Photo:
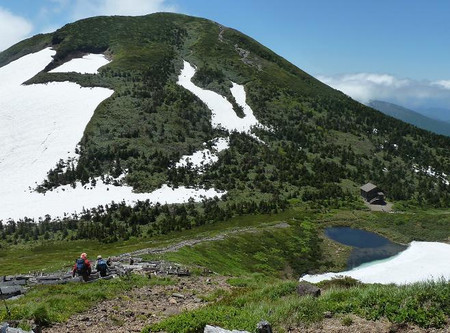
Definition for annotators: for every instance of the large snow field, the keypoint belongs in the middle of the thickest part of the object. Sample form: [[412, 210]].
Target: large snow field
[[41, 124], [222, 111], [421, 261], [89, 64]]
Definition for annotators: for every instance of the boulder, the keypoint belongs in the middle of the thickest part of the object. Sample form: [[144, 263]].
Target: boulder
[[263, 327], [308, 289], [214, 329], [5, 328], [10, 291]]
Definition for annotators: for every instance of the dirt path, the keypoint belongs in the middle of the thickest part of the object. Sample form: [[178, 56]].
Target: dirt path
[[380, 208], [191, 242], [132, 311]]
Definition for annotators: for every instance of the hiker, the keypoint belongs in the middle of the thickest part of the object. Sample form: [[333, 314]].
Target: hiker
[[102, 266], [82, 267]]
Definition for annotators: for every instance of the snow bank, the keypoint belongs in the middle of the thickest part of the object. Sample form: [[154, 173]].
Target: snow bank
[[223, 114], [204, 157], [71, 200], [89, 64], [41, 124], [422, 261]]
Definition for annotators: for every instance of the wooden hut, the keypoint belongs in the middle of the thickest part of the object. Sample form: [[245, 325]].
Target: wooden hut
[[372, 194]]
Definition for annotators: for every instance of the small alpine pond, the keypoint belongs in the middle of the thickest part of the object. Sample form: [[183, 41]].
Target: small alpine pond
[[367, 246]]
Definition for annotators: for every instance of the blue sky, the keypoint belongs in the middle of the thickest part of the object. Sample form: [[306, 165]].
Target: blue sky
[[390, 49]]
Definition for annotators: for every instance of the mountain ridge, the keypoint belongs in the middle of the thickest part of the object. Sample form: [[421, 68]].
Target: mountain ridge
[[411, 117]]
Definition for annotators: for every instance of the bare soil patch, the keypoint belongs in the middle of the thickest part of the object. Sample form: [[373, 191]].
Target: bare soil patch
[[132, 311]]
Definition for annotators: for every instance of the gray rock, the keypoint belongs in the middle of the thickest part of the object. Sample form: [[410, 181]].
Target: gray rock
[[13, 283], [4, 328], [308, 289], [214, 329], [328, 314], [263, 327], [10, 291]]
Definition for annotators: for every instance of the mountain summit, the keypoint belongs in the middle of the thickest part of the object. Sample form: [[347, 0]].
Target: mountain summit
[[172, 107]]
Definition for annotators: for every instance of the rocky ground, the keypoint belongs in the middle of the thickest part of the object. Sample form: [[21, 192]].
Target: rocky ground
[[132, 311], [354, 324]]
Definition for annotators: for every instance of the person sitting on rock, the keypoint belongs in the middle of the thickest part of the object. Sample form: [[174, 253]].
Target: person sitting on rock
[[102, 266], [82, 267]]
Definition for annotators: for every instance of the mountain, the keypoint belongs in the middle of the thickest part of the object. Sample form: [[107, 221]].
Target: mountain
[[249, 127], [412, 117], [187, 145], [436, 113]]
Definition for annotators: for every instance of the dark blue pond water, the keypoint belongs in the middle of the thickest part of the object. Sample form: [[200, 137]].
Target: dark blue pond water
[[367, 246]]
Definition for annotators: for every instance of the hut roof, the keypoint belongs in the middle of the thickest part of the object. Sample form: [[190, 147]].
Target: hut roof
[[368, 187]]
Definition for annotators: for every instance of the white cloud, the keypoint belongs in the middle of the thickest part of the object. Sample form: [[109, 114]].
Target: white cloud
[[365, 87], [443, 83], [12, 28], [88, 8]]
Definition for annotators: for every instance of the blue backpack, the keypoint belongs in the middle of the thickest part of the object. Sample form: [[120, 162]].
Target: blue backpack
[[101, 264], [81, 266]]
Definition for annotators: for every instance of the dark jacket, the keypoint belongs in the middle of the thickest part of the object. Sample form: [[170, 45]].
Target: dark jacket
[[87, 270]]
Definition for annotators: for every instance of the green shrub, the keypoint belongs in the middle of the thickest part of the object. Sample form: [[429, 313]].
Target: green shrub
[[41, 316]]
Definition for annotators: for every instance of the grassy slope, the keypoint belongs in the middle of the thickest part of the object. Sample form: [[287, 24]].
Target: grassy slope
[[403, 228], [51, 304], [263, 256], [278, 303]]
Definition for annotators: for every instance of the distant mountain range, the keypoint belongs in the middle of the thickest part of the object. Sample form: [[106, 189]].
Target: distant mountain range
[[412, 117], [436, 113]]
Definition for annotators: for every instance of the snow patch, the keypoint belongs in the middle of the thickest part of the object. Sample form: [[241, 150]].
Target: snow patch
[[202, 158], [422, 261], [432, 173], [89, 64], [223, 115]]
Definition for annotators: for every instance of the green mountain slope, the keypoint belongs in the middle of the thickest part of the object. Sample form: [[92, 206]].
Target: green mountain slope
[[411, 117], [322, 146]]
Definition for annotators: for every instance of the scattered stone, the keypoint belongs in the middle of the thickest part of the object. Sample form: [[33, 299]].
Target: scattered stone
[[172, 301], [178, 295], [328, 314], [308, 289], [263, 327]]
